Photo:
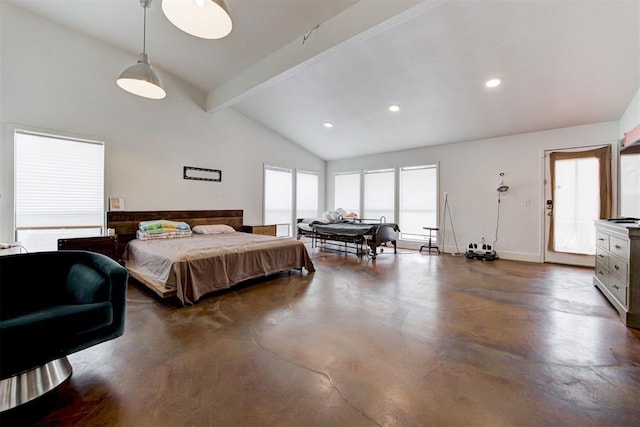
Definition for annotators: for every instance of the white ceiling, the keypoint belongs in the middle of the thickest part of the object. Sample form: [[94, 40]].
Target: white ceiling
[[562, 62]]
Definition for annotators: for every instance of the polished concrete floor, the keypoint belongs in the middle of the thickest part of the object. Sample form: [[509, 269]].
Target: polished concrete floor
[[408, 340]]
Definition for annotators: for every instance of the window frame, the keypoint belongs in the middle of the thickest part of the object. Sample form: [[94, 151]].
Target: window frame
[[404, 236], [63, 230]]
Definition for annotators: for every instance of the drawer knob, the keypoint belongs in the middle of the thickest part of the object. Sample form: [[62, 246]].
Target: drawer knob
[[601, 256], [601, 239], [616, 286], [618, 247], [616, 267]]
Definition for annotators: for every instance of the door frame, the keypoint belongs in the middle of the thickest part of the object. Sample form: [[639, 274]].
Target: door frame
[[574, 259]]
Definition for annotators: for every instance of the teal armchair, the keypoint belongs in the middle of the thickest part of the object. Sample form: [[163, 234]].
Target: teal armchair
[[53, 304]]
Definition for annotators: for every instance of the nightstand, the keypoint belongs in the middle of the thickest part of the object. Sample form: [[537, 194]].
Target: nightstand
[[267, 230], [106, 245]]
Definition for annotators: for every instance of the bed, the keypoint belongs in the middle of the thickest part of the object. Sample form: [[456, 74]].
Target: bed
[[360, 236], [191, 267]]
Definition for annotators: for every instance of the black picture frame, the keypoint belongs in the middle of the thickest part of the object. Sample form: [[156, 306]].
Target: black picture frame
[[202, 174]]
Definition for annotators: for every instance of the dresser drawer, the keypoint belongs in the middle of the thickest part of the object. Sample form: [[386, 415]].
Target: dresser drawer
[[602, 240], [618, 268], [602, 257], [602, 273], [619, 247], [618, 289]]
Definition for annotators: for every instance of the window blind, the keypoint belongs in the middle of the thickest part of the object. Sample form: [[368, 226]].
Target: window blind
[[347, 192], [306, 194], [418, 199], [58, 182], [277, 195], [379, 194]]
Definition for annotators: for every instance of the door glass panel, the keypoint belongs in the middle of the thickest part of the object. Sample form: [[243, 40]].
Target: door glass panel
[[577, 204]]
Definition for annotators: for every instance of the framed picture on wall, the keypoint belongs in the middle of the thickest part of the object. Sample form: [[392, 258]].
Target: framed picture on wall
[[116, 203]]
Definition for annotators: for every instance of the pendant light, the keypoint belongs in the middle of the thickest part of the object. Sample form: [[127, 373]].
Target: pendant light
[[140, 79], [207, 19]]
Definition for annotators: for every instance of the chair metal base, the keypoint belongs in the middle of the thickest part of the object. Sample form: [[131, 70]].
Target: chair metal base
[[29, 385]]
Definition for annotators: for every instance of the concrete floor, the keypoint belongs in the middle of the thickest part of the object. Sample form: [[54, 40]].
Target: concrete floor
[[408, 340]]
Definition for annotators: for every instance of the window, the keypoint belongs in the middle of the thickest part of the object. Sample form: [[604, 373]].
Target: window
[[576, 202], [630, 185], [306, 195], [278, 201], [418, 201], [379, 194], [347, 192], [579, 185], [59, 189]]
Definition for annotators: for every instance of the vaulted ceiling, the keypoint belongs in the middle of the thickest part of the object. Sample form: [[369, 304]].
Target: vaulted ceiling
[[293, 65]]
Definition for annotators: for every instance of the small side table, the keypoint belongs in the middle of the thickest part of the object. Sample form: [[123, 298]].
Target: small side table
[[106, 245], [267, 230], [430, 244]]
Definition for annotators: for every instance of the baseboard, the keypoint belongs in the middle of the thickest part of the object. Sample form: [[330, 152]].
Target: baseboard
[[514, 256], [519, 256]]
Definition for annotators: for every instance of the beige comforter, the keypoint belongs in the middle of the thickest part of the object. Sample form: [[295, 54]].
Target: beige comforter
[[200, 264]]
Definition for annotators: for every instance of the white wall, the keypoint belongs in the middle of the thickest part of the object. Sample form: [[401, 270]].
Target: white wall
[[631, 117], [57, 80], [469, 173]]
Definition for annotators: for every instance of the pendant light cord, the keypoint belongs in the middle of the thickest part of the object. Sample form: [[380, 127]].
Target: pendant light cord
[[144, 31]]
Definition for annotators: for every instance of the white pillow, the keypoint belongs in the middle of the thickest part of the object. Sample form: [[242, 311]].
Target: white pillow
[[331, 216], [213, 229]]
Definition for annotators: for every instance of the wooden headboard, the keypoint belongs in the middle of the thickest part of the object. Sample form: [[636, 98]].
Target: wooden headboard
[[125, 223]]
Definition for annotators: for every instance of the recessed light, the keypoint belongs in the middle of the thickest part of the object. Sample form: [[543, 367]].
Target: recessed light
[[328, 125], [493, 83], [394, 108]]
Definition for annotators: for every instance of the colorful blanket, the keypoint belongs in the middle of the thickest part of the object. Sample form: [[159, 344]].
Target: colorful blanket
[[163, 226], [143, 235]]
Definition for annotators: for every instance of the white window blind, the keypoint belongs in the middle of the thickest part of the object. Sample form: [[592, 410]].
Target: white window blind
[[418, 200], [379, 194], [277, 196], [306, 194], [59, 182], [347, 192]]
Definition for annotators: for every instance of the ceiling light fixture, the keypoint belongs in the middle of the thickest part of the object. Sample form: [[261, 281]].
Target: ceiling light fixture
[[493, 83], [207, 19], [140, 79], [394, 108], [328, 125]]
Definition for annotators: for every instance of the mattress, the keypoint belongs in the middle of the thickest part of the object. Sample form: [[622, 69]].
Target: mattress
[[200, 264]]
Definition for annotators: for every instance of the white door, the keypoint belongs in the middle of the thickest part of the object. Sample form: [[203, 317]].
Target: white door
[[577, 192]]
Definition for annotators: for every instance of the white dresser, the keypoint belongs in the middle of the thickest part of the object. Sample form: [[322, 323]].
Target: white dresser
[[617, 269]]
